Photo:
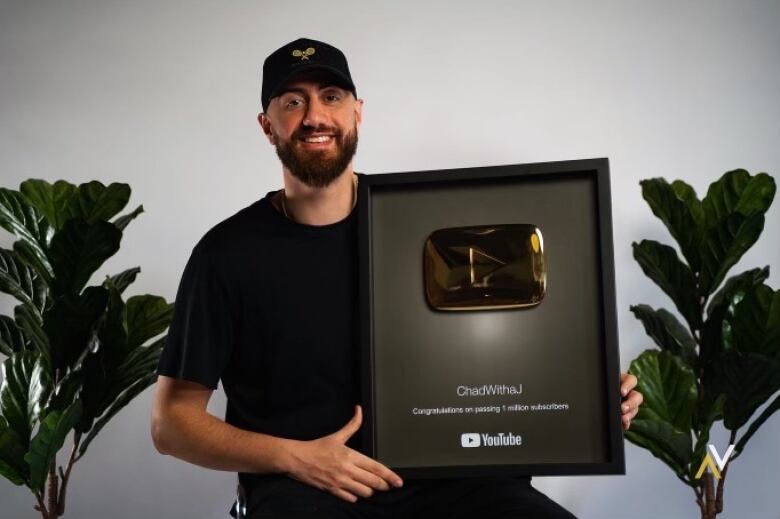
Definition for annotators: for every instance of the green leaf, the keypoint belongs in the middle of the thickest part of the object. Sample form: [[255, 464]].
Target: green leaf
[[675, 212], [668, 387], [25, 386], [723, 195], [709, 408], [661, 264], [95, 202], [734, 212], [755, 323], [736, 286], [66, 391], [723, 245], [666, 443], [139, 363], [667, 332], [125, 278], [758, 195], [663, 424], [70, 323], [755, 424], [733, 290], [107, 378], [687, 194], [19, 217], [20, 281], [113, 330], [737, 192], [78, 250], [53, 201], [101, 366], [11, 337], [51, 436], [117, 405], [98, 375], [30, 323], [747, 380], [29, 255], [12, 450], [125, 219], [146, 316]]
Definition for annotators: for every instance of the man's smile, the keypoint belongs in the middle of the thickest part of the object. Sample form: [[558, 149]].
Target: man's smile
[[318, 138], [318, 141]]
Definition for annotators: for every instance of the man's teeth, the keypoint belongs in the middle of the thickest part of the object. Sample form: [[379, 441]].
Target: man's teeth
[[322, 138]]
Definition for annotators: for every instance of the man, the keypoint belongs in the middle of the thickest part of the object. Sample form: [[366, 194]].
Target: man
[[267, 304]]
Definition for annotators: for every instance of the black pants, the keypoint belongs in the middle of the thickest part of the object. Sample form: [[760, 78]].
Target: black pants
[[496, 497]]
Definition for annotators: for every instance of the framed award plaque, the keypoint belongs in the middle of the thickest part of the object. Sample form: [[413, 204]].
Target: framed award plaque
[[488, 330]]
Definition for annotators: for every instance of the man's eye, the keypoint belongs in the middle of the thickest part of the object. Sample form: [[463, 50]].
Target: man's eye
[[293, 103], [332, 98]]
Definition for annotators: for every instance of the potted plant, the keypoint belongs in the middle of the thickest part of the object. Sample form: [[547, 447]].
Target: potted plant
[[76, 354], [721, 363]]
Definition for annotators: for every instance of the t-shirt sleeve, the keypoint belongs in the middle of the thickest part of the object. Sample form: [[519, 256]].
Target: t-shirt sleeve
[[199, 339]]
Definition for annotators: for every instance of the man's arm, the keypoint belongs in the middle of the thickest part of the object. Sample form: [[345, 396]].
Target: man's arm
[[181, 427]]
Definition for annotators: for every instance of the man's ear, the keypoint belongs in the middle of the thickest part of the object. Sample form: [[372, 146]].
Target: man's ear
[[265, 125], [358, 112]]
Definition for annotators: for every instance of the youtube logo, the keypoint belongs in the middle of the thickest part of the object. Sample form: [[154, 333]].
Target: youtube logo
[[502, 439], [470, 440]]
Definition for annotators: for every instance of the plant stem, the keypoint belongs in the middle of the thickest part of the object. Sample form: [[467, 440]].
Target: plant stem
[[53, 480], [698, 492], [709, 491], [41, 507], [706, 498], [722, 480], [53, 487], [66, 475], [697, 336]]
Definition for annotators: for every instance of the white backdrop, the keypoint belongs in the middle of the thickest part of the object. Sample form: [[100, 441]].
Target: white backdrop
[[164, 95]]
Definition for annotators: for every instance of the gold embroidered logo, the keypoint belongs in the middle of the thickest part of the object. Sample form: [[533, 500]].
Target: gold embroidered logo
[[303, 54]]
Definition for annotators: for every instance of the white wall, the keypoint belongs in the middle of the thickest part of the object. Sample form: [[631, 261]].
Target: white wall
[[164, 95]]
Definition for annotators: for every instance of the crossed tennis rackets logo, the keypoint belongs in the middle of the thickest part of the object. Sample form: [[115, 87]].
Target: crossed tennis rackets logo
[[303, 54]]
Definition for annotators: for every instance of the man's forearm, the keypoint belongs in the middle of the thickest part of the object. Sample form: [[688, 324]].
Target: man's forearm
[[182, 427], [205, 440]]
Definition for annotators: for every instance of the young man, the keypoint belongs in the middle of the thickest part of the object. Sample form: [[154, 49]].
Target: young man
[[267, 304]]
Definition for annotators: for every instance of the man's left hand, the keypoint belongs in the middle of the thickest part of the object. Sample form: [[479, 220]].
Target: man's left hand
[[631, 399]]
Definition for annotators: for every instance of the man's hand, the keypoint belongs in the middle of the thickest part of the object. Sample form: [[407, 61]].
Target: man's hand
[[631, 399], [328, 464]]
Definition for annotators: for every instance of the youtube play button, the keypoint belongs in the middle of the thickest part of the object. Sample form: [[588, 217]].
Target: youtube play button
[[469, 440]]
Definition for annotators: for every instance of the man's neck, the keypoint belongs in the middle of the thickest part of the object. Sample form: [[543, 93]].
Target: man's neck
[[319, 205]]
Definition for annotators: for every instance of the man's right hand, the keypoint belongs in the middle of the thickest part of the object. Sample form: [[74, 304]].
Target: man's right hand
[[328, 464]]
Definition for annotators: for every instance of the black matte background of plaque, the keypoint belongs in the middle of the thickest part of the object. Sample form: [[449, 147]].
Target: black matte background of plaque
[[556, 350]]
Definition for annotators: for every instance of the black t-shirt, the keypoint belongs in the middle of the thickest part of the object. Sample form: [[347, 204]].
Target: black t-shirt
[[269, 306]]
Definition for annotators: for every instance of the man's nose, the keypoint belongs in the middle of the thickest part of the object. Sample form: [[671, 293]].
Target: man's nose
[[315, 113]]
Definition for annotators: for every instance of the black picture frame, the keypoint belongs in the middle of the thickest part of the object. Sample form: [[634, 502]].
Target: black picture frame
[[378, 201]]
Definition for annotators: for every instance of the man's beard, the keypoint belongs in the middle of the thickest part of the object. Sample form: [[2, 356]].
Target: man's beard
[[317, 168]]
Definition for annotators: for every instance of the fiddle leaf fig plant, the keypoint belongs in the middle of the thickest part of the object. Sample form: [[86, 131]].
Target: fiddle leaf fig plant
[[75, 354], [721, 362]]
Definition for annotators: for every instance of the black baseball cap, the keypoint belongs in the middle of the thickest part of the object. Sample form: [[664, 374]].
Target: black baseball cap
[[300, 56]]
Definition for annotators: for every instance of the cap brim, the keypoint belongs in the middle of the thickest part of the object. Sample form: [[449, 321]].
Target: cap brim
[[344, 80]]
